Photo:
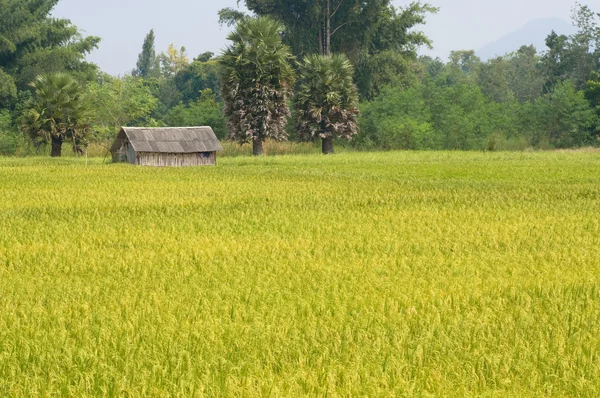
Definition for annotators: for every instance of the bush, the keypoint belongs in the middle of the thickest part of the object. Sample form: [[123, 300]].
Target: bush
[[9, 137], [204, 112]]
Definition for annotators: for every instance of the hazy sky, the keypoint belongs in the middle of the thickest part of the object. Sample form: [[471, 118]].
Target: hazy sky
[[122, 24]]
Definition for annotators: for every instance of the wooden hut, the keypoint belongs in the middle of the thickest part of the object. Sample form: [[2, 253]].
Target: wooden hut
[[168, 146]]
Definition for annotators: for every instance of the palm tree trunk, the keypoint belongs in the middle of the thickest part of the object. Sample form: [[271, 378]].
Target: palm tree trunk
[[57, 142], [257, 146], [320, 38], [328, 146], [328, 30]]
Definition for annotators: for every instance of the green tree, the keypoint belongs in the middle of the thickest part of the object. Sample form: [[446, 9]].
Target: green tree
[[9, 136], [574, 57], [389, 54], [592, 94], [34, 43], [118, 102], [494, 80], [557, 60], [58, 112], [256, 82], [206, 111], [464, 65], [230, 17], [585, 59], [326, 101], [197, 77], [8, 89], [458, 105], [148, 63], [398, 118], [173, 61], [567, 117], [204, 57], [562, 118], [377, 37], [525, 75]]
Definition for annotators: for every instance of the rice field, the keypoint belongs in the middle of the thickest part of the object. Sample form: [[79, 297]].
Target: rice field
[[375, 275]]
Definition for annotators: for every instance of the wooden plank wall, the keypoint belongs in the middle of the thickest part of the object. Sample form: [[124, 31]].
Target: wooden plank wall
[[131, 155], [122, 155], [176, 159]]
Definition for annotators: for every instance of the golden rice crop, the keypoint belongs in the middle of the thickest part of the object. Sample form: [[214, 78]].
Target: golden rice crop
[[407, 274]]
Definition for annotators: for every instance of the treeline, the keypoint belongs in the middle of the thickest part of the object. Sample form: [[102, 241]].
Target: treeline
[[507, 103], [522, 100]]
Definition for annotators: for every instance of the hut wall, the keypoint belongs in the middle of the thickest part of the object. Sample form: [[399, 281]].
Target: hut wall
[[177, 159], [122, 154], [131, 155]]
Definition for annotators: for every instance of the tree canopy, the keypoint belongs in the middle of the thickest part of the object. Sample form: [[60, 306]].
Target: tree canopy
[[378, 38], [57, 112], [33, 43], [148, 64], [256, 82], [530, 98], [326, 100]]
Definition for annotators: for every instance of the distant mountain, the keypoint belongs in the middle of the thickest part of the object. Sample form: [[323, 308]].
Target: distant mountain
[[535, 32]]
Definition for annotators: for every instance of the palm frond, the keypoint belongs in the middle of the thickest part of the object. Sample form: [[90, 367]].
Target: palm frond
[[57, 109], [257, 80], [326, 100]]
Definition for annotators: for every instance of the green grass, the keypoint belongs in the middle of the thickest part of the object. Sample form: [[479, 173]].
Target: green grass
[[407, 274]]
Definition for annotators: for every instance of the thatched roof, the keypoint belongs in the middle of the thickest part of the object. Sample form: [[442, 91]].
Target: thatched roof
[[169, 139]]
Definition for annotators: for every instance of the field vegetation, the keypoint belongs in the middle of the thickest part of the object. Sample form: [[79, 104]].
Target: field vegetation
[[407, 274]]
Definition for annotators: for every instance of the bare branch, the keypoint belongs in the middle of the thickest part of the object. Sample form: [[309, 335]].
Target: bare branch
[[336, 9], [339, 27]]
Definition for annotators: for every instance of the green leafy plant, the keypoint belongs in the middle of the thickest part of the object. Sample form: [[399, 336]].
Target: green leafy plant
[[256, 82], [58, 112], [326, 101]]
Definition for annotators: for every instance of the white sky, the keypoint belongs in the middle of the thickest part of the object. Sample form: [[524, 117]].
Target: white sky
[[123, 24]]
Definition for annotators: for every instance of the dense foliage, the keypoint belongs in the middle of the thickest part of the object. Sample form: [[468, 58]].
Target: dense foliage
[[526, 99], [257, 80], [504, 103], [58, 112], [378, 38], [326, 101], [34, 43], [148, 64]]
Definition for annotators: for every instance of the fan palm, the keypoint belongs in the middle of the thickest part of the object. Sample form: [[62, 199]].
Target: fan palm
[[58, 112], [257, 80], [326, 100]]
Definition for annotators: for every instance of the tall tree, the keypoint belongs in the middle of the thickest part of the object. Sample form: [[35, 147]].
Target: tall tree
[[562, 118], [592, 94], [324, 26], [377, 37], [326, 100], [585, 59], [34, 43], [148, 63], [526, 78], [196, 77], [206, 111], [494, 78], [58, 112], [574, 57], [173, 60], [118, 102], [256, 82], [557, 61]]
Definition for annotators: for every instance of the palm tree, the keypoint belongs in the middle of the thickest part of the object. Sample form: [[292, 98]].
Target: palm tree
[[57, 112], [257, 80], [326, 100]]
